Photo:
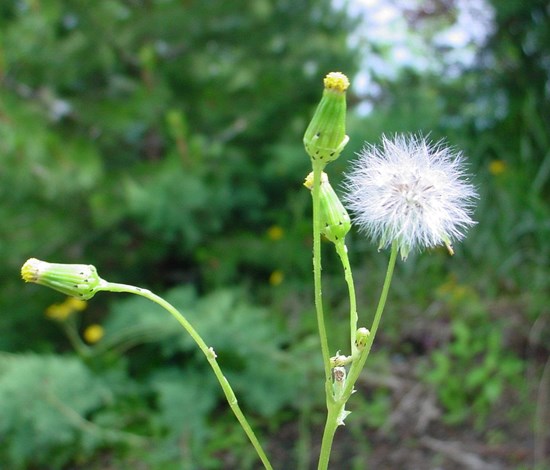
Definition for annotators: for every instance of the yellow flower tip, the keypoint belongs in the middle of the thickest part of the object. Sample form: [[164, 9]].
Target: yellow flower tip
[[308, 183], [30, 270], [336, 81], [325, 136], [276, 277], [275, 232], [93, 333]]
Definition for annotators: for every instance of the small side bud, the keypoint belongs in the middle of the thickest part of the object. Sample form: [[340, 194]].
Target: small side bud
[[211, 354], [325, 137], [361, 337], [335, 221], [339, 360], [77, 280]]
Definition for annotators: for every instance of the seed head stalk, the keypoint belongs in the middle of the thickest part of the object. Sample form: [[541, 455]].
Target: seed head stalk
[[358, 365], [336, 407]]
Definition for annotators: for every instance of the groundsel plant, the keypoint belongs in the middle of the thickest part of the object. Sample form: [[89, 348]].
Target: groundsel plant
[[405, 194]]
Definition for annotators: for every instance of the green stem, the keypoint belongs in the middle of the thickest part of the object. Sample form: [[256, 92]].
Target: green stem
[[358, 364], [328, 436], [317, 171], [208, 352], [71, 331], [342, 251], [335, 407]]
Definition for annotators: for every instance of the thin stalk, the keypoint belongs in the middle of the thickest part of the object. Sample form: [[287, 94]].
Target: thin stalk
[[357, 365], [342, 251], [328, 436], [71, 331], [317, 171], [335, 407], [208, 352]]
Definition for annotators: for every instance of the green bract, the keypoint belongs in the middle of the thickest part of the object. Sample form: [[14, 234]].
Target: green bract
[[361, 336], [78, 280], [335, 221], [325, 137]]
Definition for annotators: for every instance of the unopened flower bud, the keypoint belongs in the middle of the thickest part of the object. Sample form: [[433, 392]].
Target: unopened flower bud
[[325, 137], [335, 221], [339, 360], [361, 337], [77, 280]]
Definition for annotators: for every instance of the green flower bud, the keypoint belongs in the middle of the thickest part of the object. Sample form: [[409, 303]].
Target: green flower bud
[[361, 336], [77, 280], [335, 221], [339, 360], [325, 137]]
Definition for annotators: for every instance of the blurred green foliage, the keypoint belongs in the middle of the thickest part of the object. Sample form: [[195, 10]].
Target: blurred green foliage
[[471, 372], [43, 400], [161, 141], [158, 140], [146, 137]]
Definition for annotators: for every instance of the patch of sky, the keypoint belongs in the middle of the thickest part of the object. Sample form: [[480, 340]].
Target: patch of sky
[[393, 35]]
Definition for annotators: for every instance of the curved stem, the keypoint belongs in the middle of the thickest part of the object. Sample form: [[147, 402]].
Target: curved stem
[[71, 330], [317, 171], [342, 251], [208, 352]]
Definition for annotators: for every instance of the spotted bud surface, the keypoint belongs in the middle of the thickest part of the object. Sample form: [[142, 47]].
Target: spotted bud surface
[[335, 221], [77, 280], [361, 336], [325, 137]]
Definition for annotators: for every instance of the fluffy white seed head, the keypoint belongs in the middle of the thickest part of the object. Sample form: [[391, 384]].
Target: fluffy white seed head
[[410, 191]]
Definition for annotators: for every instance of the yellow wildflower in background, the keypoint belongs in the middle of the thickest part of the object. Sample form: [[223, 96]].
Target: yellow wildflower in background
[[63, 310], [276, 277], [76, 304], [275, 233], [497, 167], [93, 333]]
